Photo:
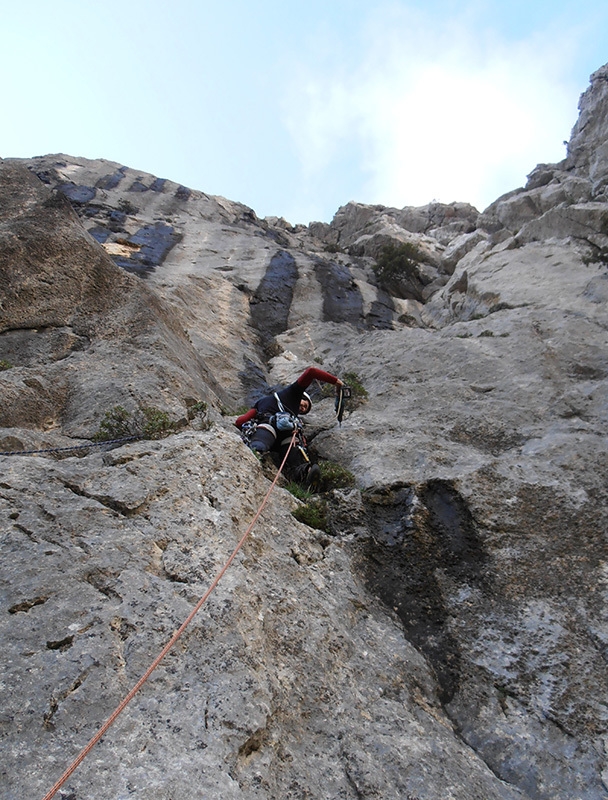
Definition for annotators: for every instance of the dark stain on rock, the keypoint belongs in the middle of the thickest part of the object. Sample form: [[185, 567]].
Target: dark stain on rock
[[182, 193], [342, 301], [415, 535], [157, 185], [77, 194], [271, 301], [253, 380], [154, 242], [381, 313], [137, 186], [116, 220], [111, 181], [99, 233]]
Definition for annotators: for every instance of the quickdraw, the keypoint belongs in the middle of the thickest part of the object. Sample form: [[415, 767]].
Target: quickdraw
[[344, 392]]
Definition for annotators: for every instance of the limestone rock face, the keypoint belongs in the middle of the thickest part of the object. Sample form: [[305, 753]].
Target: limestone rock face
[[445, 633], [81, 334], [588, 147]]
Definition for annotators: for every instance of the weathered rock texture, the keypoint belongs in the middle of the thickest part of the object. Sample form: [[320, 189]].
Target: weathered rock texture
[[447, 636]]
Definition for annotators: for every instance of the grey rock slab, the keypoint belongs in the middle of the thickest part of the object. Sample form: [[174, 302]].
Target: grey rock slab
[[447, 636], [257, 682]]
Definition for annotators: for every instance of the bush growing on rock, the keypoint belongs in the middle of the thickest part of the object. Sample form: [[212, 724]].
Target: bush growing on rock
[[358, 391], [313, 514], [335, 476], [397, 261], [146, 423], [397, 270]]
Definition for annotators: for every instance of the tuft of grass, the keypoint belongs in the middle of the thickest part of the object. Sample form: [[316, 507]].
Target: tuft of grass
[[115, 424], [197, 413], [335, 476], [5, 365], [313, 514], [303, 494]]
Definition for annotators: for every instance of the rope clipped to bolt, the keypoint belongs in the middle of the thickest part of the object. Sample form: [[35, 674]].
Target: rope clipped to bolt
[[124, 703]]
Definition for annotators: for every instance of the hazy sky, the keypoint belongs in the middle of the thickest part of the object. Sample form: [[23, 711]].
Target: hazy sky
[[295, 108]]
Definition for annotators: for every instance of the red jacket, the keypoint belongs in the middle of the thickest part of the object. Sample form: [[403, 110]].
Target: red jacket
[[290, 396]]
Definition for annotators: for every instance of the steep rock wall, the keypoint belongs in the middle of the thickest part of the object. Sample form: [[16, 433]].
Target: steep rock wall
[[446, 636]]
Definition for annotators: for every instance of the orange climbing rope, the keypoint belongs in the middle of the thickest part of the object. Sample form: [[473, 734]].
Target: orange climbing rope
[[100, 733]]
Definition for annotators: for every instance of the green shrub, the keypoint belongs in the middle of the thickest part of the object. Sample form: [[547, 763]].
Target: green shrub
[[146, 423], [115, 424], [197, 413], [397, 261], [359, 393], [335, 476], [5, 365], [358, 390], [313, 514], [155, 423], [198, 409]]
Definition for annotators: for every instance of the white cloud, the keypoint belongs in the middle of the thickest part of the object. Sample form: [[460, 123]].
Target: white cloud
[[433, 110]]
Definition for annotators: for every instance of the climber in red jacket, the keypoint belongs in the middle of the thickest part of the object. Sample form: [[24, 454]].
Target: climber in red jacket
[[277, 415]]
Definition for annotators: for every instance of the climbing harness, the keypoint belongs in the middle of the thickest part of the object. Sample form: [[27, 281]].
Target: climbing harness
[[67, 449], [121, 707], [344, 392]]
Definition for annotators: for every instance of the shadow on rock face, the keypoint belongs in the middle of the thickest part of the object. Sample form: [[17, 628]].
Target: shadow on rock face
[[417, 539], [342, 300], [271, 302]]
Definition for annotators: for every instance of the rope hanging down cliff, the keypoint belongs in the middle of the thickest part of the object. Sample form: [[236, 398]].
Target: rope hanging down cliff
[[121, 707]]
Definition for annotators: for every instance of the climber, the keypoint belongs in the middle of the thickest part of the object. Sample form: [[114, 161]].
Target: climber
[[271, 422]]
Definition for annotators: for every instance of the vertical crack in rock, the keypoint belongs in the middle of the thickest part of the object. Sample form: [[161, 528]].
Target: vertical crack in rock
[[415, 537], [342, 300], [271, 301]]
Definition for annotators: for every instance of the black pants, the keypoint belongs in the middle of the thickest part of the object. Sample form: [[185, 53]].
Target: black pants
[[267, 439]]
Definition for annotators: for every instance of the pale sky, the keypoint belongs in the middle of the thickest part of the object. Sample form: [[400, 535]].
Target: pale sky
[[296, 108]]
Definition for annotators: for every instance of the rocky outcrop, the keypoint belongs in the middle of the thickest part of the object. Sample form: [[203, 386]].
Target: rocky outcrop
[[588, 146], [80, 334], [445, 634], [558, 200]]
